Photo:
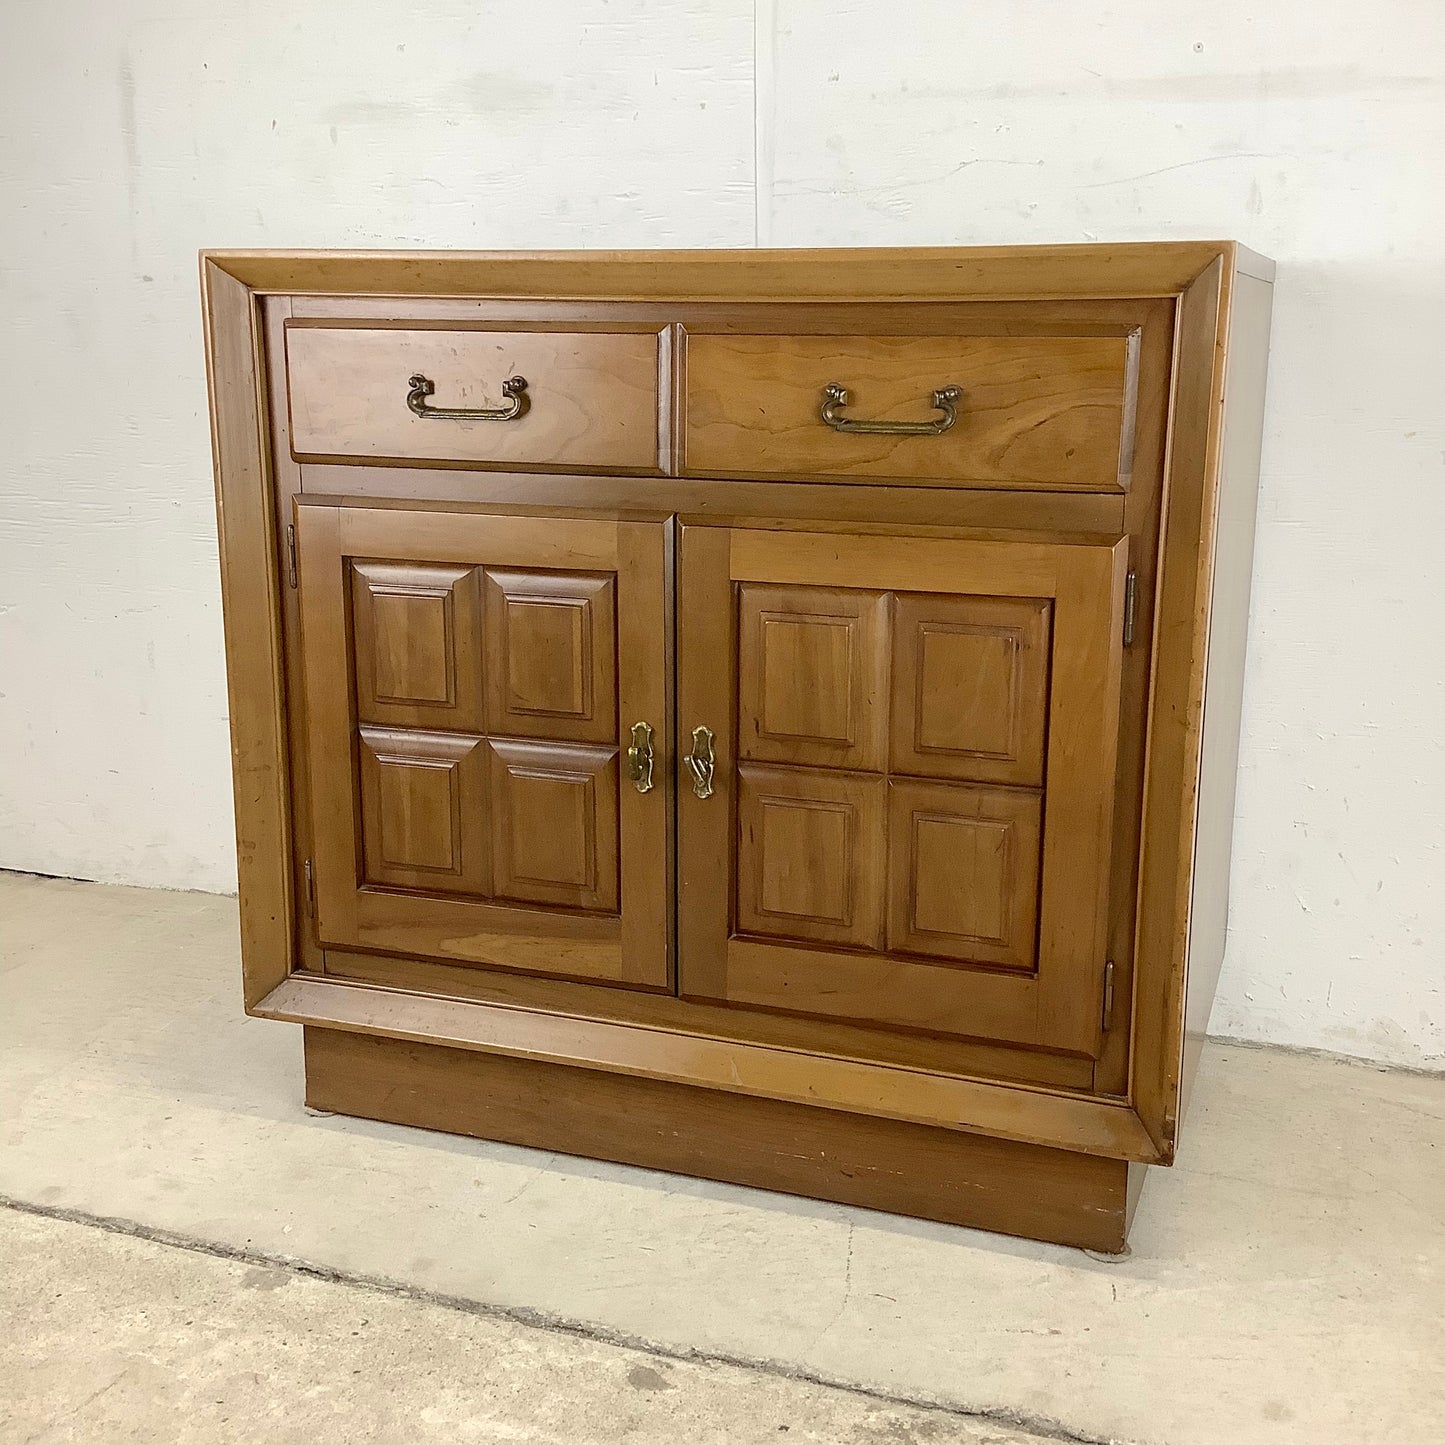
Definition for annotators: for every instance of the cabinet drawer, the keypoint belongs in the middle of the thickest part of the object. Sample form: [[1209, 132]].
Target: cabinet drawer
[[388, 393], [1040, 412]]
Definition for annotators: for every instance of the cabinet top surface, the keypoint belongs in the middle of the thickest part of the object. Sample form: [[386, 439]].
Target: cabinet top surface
[[1141, 268]]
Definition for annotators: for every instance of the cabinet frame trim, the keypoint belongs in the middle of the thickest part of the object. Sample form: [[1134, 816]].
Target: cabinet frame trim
[[1028, 1113]]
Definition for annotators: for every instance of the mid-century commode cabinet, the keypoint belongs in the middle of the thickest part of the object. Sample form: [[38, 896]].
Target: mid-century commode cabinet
[[769, 715]]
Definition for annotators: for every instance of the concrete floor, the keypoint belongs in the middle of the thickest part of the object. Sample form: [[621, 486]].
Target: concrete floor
[[116, 1338], [1284, 1284]]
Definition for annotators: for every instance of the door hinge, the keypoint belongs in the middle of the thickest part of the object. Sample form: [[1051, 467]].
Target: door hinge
[[310, 887], [1131, 605], [291, 554], [1108, 994]]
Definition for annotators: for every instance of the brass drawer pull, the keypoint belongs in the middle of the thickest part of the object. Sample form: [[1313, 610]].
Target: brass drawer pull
[[639, 757], [945, 399], [514, 389], [699, 762]]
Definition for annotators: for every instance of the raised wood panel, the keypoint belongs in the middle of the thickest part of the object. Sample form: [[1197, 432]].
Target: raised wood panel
[[1037, 411], [423, 805], [963, 872], [970, 687], [551, 655], [810, 855], [456, 845], [995, 896], [592, 396], [813, 676], [416, 638], [554, 824], [422, 668]]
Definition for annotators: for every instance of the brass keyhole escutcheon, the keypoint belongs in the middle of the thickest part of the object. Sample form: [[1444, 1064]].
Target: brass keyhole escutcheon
[[640, 756], [700, 761]]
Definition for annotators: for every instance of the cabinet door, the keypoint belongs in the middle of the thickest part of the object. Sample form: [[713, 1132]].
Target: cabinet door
[[472, 682], [913, 748]]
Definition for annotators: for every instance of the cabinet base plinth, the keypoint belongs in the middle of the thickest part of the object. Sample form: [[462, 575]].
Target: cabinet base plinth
[[929, 1173]]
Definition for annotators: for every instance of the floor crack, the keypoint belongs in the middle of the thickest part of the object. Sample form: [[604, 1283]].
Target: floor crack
[[1043, 1427], [50, 1429]]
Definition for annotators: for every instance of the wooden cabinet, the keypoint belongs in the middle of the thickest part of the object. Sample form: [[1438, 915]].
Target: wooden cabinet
[[769, 716]]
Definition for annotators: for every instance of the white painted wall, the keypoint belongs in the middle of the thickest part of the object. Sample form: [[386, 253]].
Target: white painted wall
[[133, 132]]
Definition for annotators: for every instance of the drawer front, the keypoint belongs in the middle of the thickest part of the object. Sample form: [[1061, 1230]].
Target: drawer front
[[590, 399], [1038, 412]]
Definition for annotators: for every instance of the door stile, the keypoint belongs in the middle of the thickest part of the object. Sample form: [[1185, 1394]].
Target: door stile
[[706, 672]]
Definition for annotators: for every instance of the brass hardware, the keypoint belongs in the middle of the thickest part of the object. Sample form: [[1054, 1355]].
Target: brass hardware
[[514, 389], [310, 886], [945, 399], [699, 762], [1131, 605], [1108, 995], [291, 554], [639, 757]]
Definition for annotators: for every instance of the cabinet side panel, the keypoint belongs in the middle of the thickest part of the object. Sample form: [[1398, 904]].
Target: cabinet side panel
[[249, 590], [1224, 671]]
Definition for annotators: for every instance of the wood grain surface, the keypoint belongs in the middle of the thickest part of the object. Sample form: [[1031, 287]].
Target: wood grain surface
[[941, 1174], [1044, 412], [593, 397]]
